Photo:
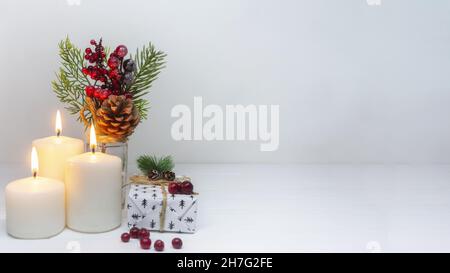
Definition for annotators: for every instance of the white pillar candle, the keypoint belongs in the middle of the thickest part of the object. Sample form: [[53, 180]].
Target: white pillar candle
[[35, 206], [93, 190], [55, 150]]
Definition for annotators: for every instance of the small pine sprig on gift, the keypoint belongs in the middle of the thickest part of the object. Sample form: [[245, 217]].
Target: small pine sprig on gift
[[147, 164]]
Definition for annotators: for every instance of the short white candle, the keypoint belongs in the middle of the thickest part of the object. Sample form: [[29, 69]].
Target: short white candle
[[55, 150], [94, 187], [35, 206]]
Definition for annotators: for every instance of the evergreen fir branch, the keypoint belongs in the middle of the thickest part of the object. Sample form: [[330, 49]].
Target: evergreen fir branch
[[147, 163], [149, 63], [70, 81]]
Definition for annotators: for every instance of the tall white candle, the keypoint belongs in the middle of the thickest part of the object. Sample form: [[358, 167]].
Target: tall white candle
[[55, 150], [35, 205], [94, 184]]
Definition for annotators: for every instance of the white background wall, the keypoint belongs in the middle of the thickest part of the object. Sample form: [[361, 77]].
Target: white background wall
[[355, 83]]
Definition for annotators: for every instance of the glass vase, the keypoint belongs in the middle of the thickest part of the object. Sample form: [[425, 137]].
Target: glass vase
[[119, 149]]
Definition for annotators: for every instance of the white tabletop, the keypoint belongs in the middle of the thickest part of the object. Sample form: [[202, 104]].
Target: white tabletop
[[289, 208]]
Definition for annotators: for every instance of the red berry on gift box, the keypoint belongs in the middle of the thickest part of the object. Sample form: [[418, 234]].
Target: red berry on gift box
[[88, 51], [174, 188], [93, 42], [159, 245], [134, 232], [144, 233], [145, 243], [187, 187], [121, 51], [177, 243], [125, 237]]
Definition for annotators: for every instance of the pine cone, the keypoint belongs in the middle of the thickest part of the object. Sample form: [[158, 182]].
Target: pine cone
[[168, 175], [117, 117], [154, 175]]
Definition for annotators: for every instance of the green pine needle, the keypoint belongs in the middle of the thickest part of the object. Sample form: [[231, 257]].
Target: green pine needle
[[147, 163]]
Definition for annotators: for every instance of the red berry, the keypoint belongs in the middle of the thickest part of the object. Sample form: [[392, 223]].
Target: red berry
[[145, 243], [173, 188], [90, 91], [159, 245], [187, 187], [85, 71], [177, 243], [134, 232], [121, 51], [125, 237], [93, 42], [144, 233], [113, 62], [114, 74], [88, 51], [104, 94]]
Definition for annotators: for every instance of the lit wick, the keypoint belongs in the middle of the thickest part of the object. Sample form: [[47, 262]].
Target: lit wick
[[93, 139], [58, 126], [34, 162]]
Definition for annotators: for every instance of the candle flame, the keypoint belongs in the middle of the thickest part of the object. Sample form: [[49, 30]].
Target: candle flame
[[58, 125], [93, 138], [34, 162]]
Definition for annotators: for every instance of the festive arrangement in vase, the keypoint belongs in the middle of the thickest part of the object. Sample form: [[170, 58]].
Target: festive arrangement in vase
[[84, 191]]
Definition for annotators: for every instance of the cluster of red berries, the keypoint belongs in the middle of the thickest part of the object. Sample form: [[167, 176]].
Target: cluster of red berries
[[112, 76], [144, 239], [184, 187]]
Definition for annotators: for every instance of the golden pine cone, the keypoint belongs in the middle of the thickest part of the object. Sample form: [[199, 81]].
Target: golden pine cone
[[117, 118]]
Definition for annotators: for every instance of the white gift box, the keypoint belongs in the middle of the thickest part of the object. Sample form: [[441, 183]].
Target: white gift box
[[145, 203]]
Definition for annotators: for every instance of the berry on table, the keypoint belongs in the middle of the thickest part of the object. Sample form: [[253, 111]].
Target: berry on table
[[125, 237], [159, 245], [187, 187], [173, 188], [177, 243], [144, 233], [145, 243], [134, 232]]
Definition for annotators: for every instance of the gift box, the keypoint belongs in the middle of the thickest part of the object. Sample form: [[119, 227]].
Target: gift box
[[151, 206]]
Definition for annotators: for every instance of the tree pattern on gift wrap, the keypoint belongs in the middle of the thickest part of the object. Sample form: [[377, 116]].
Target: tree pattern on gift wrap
[[171, 225], [135, 195], [189, 220], [128, 206], [144, 203], [154, 196], [153, 207], [152, 223], [172, 209], [135, 216], [173, 196], [182, 204]]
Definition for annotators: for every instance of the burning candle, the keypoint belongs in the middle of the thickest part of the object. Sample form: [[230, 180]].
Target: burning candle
[[55, 150], [94, 185], [35, 205]]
